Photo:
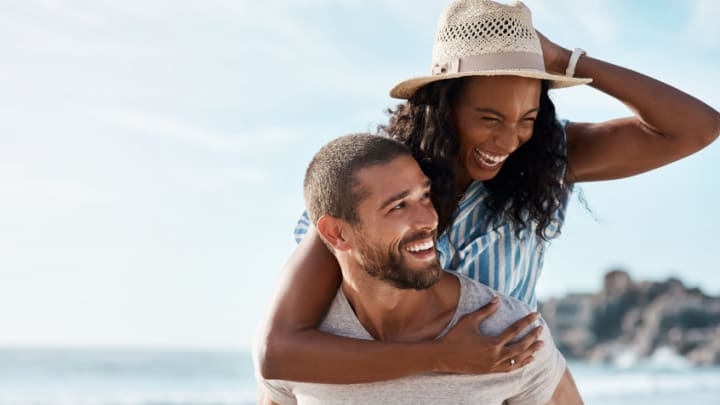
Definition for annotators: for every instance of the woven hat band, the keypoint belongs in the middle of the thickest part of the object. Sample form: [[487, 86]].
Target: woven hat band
[[487, 62]]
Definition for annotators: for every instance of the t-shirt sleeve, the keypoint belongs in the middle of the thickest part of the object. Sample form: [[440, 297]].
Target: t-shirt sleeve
[[303, 224], [541, 377], [278, 391]]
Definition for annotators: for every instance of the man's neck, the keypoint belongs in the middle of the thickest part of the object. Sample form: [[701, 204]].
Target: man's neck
[[406, 315]]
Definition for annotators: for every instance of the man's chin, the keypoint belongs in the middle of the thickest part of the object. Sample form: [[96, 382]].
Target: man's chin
[[418, 279]]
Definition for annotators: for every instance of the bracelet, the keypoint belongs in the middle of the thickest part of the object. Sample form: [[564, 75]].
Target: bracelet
[[576, 54]]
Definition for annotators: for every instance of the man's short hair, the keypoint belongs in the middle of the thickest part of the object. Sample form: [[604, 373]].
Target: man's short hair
[[330, 180]]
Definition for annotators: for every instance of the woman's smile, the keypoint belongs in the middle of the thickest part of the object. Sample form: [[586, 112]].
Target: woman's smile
[[488, 160]]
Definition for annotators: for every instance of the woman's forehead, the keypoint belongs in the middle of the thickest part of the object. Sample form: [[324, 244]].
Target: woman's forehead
[[499, 90], [500, 83]]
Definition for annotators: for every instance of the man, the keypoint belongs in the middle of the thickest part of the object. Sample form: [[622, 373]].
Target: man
[[370, 202]]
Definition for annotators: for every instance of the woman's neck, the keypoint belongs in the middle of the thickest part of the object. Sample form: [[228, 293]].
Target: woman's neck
[[461, 186]]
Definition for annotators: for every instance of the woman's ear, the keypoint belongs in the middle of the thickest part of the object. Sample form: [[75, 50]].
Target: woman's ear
[[335, 231]]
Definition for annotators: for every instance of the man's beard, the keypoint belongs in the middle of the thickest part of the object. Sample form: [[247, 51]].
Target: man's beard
[[391, 266]]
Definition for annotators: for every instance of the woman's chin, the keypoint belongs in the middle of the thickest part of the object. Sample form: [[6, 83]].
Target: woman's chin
[[481, 172]]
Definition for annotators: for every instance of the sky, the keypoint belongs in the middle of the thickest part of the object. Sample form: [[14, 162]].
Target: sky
[[152, 153]]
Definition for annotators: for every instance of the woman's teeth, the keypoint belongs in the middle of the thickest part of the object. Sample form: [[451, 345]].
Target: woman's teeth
[[420, 246], [488, 159]]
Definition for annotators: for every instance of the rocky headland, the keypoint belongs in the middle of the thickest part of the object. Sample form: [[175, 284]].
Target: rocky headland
[[628, 321]]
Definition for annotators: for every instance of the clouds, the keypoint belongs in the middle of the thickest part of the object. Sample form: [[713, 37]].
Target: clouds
[[703, 28], [27, 196], [615, 23], [595, 20], [148, 140], [173, 129]]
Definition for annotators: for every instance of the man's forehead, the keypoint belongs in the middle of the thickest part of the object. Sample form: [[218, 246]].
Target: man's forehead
[[383, 180]]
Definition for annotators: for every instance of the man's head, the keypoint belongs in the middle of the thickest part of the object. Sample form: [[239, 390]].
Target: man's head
[[370, 202]]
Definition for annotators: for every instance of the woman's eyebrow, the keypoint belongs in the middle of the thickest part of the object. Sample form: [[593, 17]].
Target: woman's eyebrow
[[501, 115], [490, 111]]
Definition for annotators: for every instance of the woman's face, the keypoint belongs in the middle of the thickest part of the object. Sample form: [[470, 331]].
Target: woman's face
[[493, 116]]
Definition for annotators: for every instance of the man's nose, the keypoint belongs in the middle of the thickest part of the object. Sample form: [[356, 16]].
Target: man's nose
[[426, 217]]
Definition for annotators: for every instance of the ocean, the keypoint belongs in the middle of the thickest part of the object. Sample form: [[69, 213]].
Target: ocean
[[150, 377]]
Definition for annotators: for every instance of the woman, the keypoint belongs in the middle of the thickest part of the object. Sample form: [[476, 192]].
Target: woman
[[502, 166]]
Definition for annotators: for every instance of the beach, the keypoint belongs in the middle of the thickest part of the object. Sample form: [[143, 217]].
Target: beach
[[145, 377]]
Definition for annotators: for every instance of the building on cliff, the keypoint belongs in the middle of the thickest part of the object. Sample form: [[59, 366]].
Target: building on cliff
[[629, 320]]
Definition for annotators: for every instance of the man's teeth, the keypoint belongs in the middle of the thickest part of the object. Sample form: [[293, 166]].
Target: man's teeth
[[488, 159], [420, 246]]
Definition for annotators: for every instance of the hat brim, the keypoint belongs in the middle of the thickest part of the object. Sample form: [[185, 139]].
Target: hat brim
[[406, 89]]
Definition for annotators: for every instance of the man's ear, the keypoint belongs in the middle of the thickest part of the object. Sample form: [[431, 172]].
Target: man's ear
[[336, 232]]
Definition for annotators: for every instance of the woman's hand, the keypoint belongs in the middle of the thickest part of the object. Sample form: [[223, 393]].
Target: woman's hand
[[556, 57], [465, 351]]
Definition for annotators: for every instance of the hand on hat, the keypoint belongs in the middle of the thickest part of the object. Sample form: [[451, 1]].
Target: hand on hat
[[555, 56]]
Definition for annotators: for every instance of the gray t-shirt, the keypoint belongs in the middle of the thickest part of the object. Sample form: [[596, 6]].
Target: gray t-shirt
[[533, 384]]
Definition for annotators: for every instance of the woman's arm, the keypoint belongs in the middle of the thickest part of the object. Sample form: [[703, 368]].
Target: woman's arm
[[291, 348], [668, 124], [566, 392]]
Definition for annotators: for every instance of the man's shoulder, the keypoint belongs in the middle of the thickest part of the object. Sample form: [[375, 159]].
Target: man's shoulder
[[341, 320], [475, 295]]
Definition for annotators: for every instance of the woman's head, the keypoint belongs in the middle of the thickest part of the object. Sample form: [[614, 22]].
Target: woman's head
[[492, 117], [484, 114], [500, 130]]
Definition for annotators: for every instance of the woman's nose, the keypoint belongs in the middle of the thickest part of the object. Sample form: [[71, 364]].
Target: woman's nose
[[507, 139]]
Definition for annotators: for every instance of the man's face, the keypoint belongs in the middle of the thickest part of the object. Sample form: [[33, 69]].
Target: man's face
[[395, 239]]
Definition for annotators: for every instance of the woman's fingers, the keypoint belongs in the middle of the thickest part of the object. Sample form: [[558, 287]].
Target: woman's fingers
[[484, 312], [521, 353], [515, 330], [465, 349]]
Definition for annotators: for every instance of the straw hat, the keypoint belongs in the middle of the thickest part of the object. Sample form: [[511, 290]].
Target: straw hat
[[485, 38]]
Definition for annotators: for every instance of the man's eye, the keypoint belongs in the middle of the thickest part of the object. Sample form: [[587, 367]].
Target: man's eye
[[491, 119], [427, 195], [398, 206]]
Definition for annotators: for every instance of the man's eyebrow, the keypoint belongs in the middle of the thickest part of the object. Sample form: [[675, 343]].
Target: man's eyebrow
[[402, 194], [392, 199]]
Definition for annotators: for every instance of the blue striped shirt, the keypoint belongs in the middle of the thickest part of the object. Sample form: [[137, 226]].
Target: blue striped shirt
[[494, 254], [490, 253]]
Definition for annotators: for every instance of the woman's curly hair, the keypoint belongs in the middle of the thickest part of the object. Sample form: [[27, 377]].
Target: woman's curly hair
[[528, 189]]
